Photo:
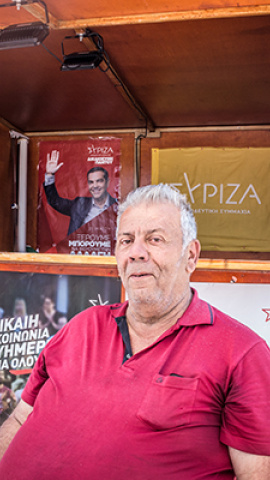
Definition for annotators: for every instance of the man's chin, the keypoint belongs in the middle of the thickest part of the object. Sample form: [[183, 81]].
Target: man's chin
[[143, 296]]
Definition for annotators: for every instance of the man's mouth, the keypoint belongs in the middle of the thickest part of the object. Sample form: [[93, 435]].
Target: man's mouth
[[140, 275]]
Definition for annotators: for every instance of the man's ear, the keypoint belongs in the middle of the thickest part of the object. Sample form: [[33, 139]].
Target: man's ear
[[193, 253]]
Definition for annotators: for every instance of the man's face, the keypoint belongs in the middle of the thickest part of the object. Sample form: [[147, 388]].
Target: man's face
[[97, 184], [153, 268], [48, 305]]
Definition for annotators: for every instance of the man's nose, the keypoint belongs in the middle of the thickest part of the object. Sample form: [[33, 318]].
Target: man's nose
[[138, 251]]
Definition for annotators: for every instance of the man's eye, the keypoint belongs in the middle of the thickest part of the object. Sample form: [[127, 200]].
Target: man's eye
[[155, 239], [125, 241]]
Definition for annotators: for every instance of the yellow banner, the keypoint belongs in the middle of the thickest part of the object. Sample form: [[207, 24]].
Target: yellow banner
[[228, 189]]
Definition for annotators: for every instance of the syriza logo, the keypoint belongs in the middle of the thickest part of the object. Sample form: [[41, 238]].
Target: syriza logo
[[224, 194], [229, 193], [100, 155], [92, 150]]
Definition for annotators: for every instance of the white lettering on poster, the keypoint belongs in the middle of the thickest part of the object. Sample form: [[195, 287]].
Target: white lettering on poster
[[101, 160], [21, 341], [228, 194], [104, 150], [100, 155]]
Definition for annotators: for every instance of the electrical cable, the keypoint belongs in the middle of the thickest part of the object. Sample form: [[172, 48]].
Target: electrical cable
[[122, 85], [51, 53]]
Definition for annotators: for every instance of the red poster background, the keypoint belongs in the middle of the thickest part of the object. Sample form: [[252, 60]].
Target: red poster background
[[96, 237]]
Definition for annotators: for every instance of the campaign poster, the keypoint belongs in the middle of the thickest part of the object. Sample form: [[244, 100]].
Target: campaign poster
[[33, 308], [79, 191], [228, 190]]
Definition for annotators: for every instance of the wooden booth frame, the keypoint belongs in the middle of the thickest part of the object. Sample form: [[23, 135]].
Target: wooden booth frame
[[232, 271], [208, 270], [58, 264]]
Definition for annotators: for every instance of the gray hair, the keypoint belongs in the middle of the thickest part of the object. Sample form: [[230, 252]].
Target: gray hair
[[163, 193]]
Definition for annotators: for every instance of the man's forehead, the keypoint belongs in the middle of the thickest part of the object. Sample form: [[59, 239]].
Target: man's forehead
[[141, 229], [150, 217], [96, 175], [151, 209]]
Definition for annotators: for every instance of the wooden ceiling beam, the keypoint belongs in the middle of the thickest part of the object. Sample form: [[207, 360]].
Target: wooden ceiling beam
[[118, 83], [38, 12], [203, 14], [8, 125]]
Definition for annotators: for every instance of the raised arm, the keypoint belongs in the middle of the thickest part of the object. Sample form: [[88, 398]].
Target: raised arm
[[248, 466], [52, 164], [62, 205], [11, 426]]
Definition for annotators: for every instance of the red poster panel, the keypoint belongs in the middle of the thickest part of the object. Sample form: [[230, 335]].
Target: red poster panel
[[79, 190]]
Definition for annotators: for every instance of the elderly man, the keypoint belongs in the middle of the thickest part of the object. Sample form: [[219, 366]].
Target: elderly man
[[166, 386]]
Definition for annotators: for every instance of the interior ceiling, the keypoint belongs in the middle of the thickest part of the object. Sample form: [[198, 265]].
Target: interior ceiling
[[198, 65]]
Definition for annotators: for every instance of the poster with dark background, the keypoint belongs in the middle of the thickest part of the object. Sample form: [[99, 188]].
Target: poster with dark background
[[34, 306]]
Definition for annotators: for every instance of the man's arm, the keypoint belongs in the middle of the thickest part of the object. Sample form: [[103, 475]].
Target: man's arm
[[52, 164], [62, 205], [11, 426], [248, 466]]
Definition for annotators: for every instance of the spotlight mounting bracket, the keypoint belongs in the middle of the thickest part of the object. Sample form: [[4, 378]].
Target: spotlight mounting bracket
[[24, 34], [86, 59]]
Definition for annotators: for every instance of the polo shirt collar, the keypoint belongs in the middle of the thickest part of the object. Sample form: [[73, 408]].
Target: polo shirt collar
[[198, 312]]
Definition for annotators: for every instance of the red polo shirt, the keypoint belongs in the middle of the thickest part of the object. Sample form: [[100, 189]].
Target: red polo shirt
[[166, 413]]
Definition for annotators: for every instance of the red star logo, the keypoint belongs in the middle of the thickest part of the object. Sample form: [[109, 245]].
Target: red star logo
[[267, 311]]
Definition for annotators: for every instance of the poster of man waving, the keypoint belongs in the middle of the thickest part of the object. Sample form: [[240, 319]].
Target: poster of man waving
[[79, 190]]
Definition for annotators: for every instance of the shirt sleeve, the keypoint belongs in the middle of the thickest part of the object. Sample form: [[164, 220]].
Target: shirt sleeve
[[246, 419], [35, 382], [39, 373]]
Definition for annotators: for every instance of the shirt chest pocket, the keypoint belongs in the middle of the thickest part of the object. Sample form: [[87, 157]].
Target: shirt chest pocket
[[168, 401]]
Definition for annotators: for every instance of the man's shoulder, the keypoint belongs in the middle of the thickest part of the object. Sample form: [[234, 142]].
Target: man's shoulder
[[221, 320], [84, 203], [89, 323], [83, 199], [234, 332]]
